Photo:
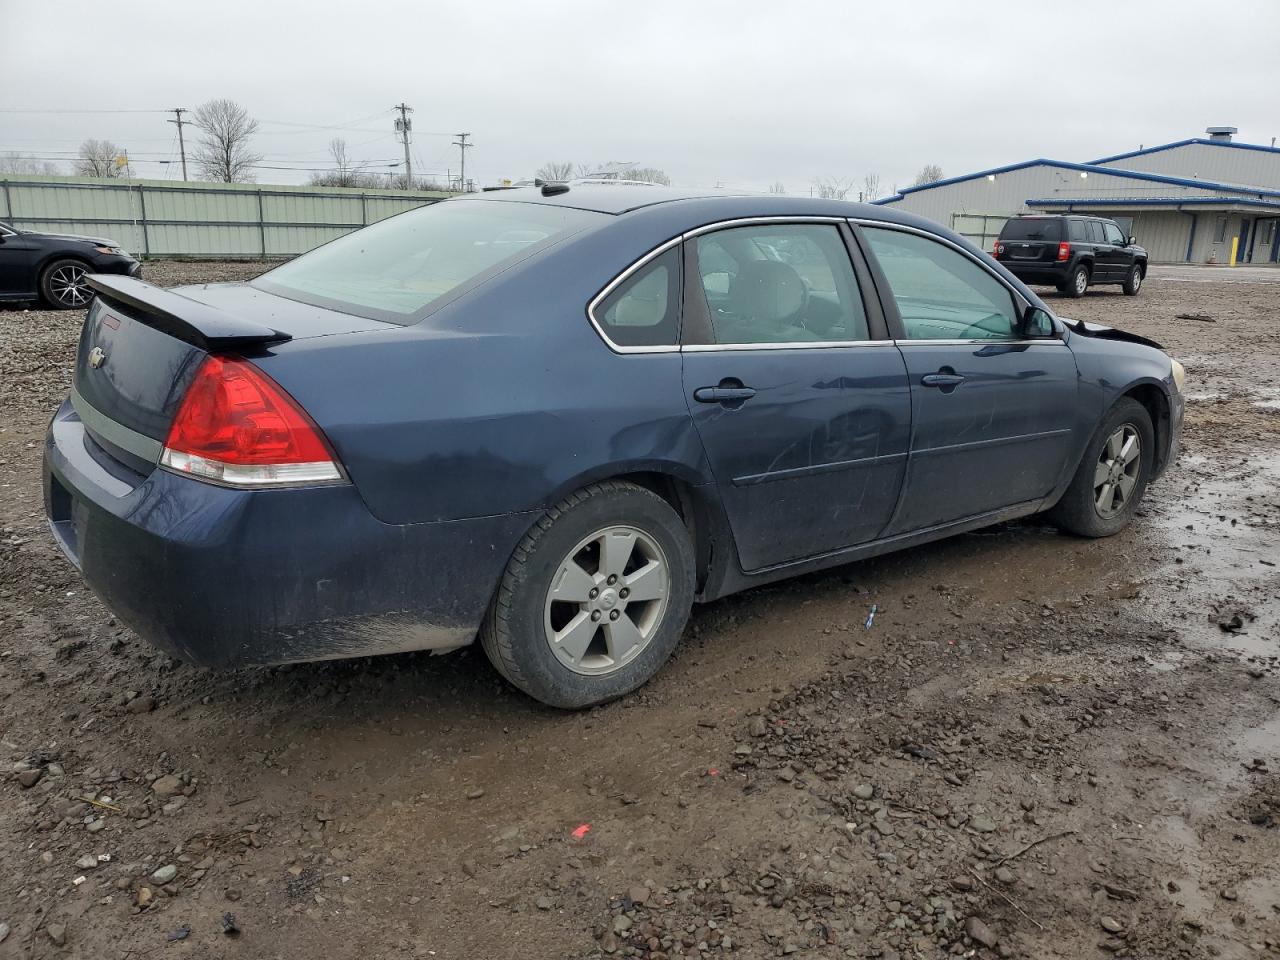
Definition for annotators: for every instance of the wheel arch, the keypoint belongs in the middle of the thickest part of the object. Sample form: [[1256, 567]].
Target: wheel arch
[[692, 495], [1154, 398]]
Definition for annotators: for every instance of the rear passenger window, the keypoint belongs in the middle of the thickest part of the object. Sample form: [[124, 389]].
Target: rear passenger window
[[1095, 231], [644, 310], [1079, 231], [780, 283], [942, 294]]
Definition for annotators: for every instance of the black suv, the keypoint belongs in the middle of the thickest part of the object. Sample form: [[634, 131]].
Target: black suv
[[1071, 253]]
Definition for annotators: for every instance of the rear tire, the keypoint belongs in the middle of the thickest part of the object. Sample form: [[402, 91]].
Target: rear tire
[[62, 285], [1112, 477], [565, 625], [1133, 282], [1078, 282]]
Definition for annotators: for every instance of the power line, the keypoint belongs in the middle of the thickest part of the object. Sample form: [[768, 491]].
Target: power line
[[6, 110]]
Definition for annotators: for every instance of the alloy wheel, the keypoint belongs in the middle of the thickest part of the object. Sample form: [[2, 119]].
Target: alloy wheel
[[1116, 473], [1082, 282], [68, 286], [607, 600]]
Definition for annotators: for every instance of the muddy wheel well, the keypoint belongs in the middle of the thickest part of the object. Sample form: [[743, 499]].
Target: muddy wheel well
[[679, 495], [1157, 405]]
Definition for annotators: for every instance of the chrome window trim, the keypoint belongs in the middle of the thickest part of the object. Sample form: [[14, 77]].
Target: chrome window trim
[[1039, 341], [797, 345], [617, 282]]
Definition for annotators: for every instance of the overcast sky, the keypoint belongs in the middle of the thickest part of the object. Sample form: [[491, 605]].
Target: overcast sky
[[737, 92]]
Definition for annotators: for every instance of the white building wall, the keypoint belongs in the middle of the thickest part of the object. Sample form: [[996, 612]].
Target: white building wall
[[1203, 161]]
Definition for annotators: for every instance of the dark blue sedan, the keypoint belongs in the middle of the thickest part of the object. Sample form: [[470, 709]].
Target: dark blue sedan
[[555, 418]]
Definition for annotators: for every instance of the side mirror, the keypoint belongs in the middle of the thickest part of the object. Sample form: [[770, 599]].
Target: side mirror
[[1038, 324], [1132, 241]]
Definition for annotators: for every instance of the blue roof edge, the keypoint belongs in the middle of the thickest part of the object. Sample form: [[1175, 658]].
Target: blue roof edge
[[1149, 201], [1086, 168], [1185, 143]]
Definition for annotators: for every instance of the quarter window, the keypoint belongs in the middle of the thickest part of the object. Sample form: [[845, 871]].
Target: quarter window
[[1079, 231], [780, 283], [942, 294], [644, 310]]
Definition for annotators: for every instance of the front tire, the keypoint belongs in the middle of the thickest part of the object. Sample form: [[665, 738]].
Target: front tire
[[63, 287], [594, 599], [1078, 282], [1112, 476], [1133, 282]]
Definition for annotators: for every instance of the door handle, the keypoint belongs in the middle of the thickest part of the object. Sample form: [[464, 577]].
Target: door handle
[[723, 394], [942, 380]]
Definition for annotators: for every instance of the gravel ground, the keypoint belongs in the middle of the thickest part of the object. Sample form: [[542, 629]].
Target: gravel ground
[[1043, 747]]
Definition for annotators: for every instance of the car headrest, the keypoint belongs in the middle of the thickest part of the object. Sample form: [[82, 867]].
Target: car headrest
[[768, 291]]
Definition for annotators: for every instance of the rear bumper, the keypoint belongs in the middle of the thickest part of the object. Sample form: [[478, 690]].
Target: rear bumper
[[1046, 273], [228, 578]]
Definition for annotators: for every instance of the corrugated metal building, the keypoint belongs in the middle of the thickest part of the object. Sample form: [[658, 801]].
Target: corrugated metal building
[[164, 218], [1185, 201]]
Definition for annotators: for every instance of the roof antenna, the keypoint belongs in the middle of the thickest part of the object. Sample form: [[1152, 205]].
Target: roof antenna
[[551, 188]]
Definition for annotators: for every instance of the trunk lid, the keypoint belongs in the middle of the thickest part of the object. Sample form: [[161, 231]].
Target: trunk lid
[[141, 346]]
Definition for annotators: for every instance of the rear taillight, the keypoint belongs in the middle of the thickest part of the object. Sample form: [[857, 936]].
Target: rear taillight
[[997, 250], [236, 426], [1064, 251]]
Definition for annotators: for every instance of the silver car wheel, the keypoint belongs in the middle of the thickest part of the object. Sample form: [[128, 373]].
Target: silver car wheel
[[607, 600], [68, 287], [1082, 282], [1116, 473]]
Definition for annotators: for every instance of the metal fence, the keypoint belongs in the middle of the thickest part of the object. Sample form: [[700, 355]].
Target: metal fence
[[158, 218]]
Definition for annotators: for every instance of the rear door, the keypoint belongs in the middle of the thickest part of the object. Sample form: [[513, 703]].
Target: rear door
[[992, 411], [800, 399], [1113, 253]]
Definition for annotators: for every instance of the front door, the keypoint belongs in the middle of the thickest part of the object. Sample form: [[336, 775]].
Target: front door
[[16, 261], [991, 409], [801, 402]]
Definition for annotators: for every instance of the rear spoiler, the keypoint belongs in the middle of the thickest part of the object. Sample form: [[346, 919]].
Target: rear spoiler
[[181, 317]]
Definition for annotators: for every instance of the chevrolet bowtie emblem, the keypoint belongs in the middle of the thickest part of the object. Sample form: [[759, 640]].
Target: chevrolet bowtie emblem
[[97, 357]]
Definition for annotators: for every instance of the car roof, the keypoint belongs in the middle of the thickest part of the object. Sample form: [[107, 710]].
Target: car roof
[[686, 208], [615, 198]]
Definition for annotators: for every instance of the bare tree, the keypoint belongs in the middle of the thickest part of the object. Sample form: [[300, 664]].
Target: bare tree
[[647, 174], [223, 152], [777, 187], [346, 172], [586, 169], [555, 171], [833, 188], [929, 173], [23, 164], [98, 158], [871, 187]]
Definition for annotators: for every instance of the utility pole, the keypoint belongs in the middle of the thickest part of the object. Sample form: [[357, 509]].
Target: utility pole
[[462, 145], [404, 127], [182, 145]]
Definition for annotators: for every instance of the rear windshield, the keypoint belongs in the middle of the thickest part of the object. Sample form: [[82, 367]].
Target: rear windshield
[[397, 269], [1032, 228]]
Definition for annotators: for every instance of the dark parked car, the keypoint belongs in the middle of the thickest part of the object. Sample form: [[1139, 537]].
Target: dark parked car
[[1072, 253], [52, 267], [556, 418]]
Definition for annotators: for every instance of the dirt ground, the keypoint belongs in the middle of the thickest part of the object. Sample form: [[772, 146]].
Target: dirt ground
[[1042, 747]]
